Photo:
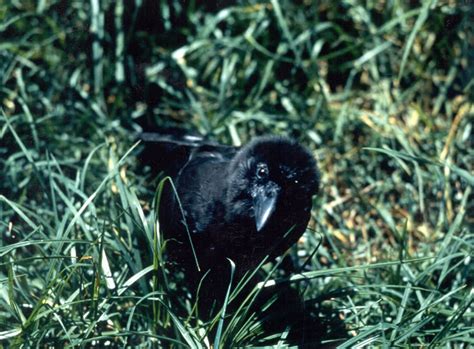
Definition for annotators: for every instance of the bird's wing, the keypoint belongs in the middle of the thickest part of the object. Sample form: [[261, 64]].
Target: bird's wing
[[200, 185], [169, 150], [186, 140]]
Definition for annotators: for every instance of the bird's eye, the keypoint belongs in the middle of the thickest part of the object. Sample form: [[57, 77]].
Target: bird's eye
[[262, 171]]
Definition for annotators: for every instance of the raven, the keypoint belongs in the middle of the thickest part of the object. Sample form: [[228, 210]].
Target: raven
[[232, 203]]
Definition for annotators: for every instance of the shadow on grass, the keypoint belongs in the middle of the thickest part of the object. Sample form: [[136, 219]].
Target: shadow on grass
[[306, 323]]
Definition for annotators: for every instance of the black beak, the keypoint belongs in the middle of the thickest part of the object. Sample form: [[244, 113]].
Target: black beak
[[264, 203]]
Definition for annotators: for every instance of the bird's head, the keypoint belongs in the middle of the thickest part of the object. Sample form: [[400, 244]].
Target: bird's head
[[272, 177]]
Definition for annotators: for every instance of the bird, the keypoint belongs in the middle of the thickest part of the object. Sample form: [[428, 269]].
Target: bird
[[243, 204]]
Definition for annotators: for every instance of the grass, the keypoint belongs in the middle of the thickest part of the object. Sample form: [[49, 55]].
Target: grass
[[381, 92]]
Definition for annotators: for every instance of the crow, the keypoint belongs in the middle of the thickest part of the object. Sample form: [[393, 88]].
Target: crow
[[238, 203]]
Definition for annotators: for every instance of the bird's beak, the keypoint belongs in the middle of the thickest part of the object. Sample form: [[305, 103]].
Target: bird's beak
[[264, 203]]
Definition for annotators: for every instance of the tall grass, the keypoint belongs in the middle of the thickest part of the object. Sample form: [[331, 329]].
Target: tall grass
[[382, 93]]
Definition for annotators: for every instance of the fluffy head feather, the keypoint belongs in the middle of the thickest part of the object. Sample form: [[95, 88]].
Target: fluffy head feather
[[280, 164]]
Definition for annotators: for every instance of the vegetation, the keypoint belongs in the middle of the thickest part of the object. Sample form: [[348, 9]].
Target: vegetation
[[381, 91]]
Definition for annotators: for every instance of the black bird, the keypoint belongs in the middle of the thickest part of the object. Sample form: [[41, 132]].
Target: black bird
[[238, 203]]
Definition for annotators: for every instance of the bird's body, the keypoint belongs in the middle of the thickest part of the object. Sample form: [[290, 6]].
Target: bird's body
[[237, 203]]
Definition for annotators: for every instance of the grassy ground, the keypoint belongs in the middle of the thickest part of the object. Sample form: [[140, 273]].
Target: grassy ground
[[381, 92]]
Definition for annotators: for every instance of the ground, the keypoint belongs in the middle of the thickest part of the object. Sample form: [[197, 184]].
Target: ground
[[381, 92]]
